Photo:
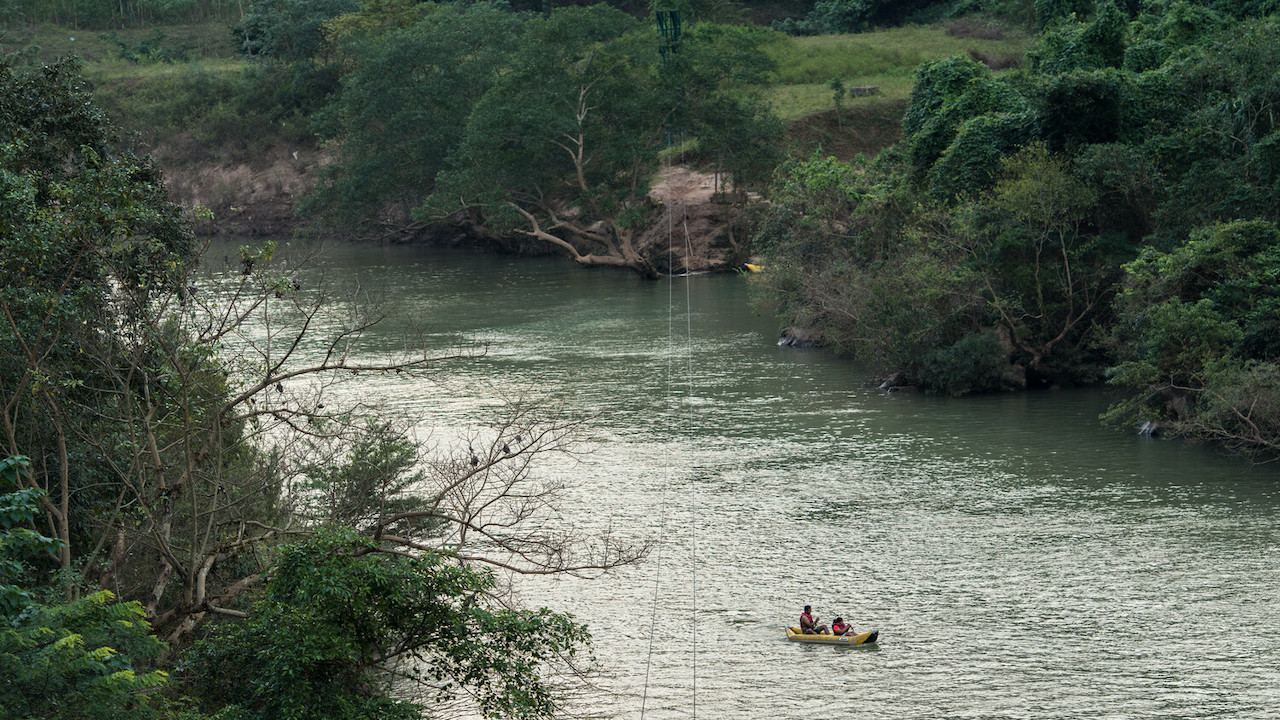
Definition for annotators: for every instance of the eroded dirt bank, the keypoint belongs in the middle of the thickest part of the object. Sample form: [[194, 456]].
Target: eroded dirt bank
[[251, 200], [688, 224]]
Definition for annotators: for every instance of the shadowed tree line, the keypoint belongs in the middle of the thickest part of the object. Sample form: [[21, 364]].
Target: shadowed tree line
[[535, 130]]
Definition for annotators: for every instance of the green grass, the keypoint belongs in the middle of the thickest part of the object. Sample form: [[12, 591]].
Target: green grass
[[886, 59], [209, 41], [883, 52], [121, 71], [794, 102]]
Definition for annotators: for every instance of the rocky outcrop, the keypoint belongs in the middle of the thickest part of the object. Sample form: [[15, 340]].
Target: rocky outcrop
[[799, 337], [896, 383]]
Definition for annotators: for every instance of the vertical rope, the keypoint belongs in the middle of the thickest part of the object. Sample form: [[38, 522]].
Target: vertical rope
[[666, 457], [693, 489], [693, 485]]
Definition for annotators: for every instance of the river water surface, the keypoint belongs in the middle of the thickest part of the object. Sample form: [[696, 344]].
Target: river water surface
[[1019, 560]]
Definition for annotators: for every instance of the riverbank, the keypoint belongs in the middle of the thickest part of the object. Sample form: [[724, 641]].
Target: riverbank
[[244, 197], [257, 194], [237, 139]]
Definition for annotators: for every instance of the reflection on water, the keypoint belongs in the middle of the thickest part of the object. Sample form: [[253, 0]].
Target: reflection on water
[[1020, 561]]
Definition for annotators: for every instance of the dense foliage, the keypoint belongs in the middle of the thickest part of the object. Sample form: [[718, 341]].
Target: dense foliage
[[988, 248], [1201, 341], [67, 659], [182, 458], [95, 14], [539, 129], [340, 622], [844, 16], [87, 239]]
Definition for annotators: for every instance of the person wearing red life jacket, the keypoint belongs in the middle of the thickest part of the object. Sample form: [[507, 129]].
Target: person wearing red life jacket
[[809, 623], [840, 627]]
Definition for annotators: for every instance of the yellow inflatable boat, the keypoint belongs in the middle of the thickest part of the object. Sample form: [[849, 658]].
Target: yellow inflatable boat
[[866, 638]]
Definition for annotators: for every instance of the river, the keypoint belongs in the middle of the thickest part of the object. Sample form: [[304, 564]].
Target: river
[[1019, 560]]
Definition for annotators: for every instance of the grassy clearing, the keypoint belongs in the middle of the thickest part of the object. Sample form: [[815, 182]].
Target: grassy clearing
[[886, 60], [179, 91], [210, 41], [883, 52], [117, 71]]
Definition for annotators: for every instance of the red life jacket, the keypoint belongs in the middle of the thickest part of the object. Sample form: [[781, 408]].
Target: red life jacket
[[839, 628], [803, 617]]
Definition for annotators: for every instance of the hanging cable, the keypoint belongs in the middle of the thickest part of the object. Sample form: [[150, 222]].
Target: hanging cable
[[666, 452], [693, 485]]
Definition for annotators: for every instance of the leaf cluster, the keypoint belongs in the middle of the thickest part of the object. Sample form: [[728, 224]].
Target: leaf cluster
[[340, 622], [72, 659]]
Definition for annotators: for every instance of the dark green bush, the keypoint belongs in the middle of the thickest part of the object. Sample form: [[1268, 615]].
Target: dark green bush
[[972, 162], [976, 363]]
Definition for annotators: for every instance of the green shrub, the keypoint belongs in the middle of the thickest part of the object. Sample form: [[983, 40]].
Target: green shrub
[[975, 364], [973, 161]]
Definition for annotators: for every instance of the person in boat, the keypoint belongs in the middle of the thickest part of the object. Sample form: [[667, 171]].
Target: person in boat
[[809, 623], [840, 627]]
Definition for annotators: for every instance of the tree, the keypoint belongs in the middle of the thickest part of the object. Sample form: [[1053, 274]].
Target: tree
[[86, 237], [838, 91], [844, 16], [73, 660], [716, 73], [840, 261], [561, 150], [288, 30], [343, 619], [402, 108], [1042, 276], [1199, 340]]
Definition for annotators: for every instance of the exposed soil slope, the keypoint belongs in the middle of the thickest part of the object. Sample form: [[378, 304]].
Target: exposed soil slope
[[694, 224]]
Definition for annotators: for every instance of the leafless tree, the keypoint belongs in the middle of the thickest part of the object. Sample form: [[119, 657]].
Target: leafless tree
[[208, 406]]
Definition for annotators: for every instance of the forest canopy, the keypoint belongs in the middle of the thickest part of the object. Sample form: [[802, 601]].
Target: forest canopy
[[1024, 231]]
